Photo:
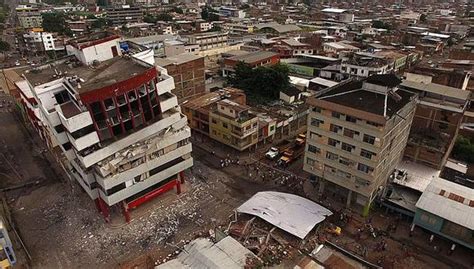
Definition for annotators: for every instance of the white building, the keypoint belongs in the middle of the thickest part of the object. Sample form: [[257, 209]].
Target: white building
[[41, 41], [119, 128]]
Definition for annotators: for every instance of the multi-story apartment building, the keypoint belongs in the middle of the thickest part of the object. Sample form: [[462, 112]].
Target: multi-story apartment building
[[42, 41], [124, 14], [438, 118], [357, 132], [209, 40], [233, 124], [187, 71], [231, 12], [118, 126], [365, 65], [239, 28], [223, 116], [29, 16]]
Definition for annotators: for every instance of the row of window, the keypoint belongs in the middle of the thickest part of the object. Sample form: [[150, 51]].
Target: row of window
[[337, 172], [345, 131], [345, 117], [345, 161]]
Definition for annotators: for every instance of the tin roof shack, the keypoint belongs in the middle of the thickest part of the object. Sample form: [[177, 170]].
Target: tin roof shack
[[447, 209], [438, 118]]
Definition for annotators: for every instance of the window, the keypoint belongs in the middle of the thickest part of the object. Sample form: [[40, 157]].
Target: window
[[343, 174], [345, 161], [313, 149], [336, 114], [351, 119], [347, 147], [369, 139], [316, 122], [330, 169], [67, 146], [213, 121], [314, 135], [335, 128], [272, 128], [456, 197], [373, 123], [333, 142], [225, 125], [331, 156], [317, 109], [365, 168], [59, 128], [350, 133], [361, 181], [310, 161], [367, 154]]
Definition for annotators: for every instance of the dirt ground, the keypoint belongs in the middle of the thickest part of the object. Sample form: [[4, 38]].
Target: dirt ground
[[62, 228]]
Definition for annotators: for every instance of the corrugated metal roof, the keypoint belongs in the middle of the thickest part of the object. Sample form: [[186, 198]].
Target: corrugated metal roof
[[433, 202], [437, 89], [291, 213], [203, 253]]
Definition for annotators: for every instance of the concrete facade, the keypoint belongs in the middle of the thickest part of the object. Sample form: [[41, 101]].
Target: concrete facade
[[352, 147]]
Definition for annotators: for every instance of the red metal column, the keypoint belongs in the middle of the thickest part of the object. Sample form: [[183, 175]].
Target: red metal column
[[181, 177], [178, 186], [126, 212], [104, 208], [97, 205]]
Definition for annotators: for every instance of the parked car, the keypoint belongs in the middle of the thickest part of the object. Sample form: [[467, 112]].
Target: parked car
[[272, 153]]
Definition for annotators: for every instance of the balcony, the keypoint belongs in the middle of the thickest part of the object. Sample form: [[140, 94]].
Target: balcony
[[165, 84], [242, 134], [113, 180], [168, 101], [142, 185], [72, 117], [161, 142], [100, 154], [84, 141]]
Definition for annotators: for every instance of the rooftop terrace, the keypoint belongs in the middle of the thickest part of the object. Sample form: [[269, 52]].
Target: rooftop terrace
[[104, 74]]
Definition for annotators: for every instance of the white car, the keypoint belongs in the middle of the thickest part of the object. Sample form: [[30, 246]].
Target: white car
[[272, 153]]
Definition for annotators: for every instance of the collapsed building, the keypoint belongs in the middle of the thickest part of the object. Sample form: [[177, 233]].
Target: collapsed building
[[112, 121]]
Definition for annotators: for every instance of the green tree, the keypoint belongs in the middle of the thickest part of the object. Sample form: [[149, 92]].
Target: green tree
[[100, 23], [178, 10], [209, 14], [164, 17], [380, 25], [149, 19], [4, 46], [464, 149], [261, 84], [54, 22], [423, 17]]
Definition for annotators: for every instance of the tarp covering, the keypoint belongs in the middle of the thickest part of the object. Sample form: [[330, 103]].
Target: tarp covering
[[291, 213]]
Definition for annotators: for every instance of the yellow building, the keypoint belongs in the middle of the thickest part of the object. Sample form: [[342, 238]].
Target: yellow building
[[233, 124]]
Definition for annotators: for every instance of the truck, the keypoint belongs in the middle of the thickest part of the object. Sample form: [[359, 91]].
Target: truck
[[286, 158], [300, 139]]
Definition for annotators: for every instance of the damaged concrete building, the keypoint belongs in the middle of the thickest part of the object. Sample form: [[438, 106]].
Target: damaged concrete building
[[112, 120]]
